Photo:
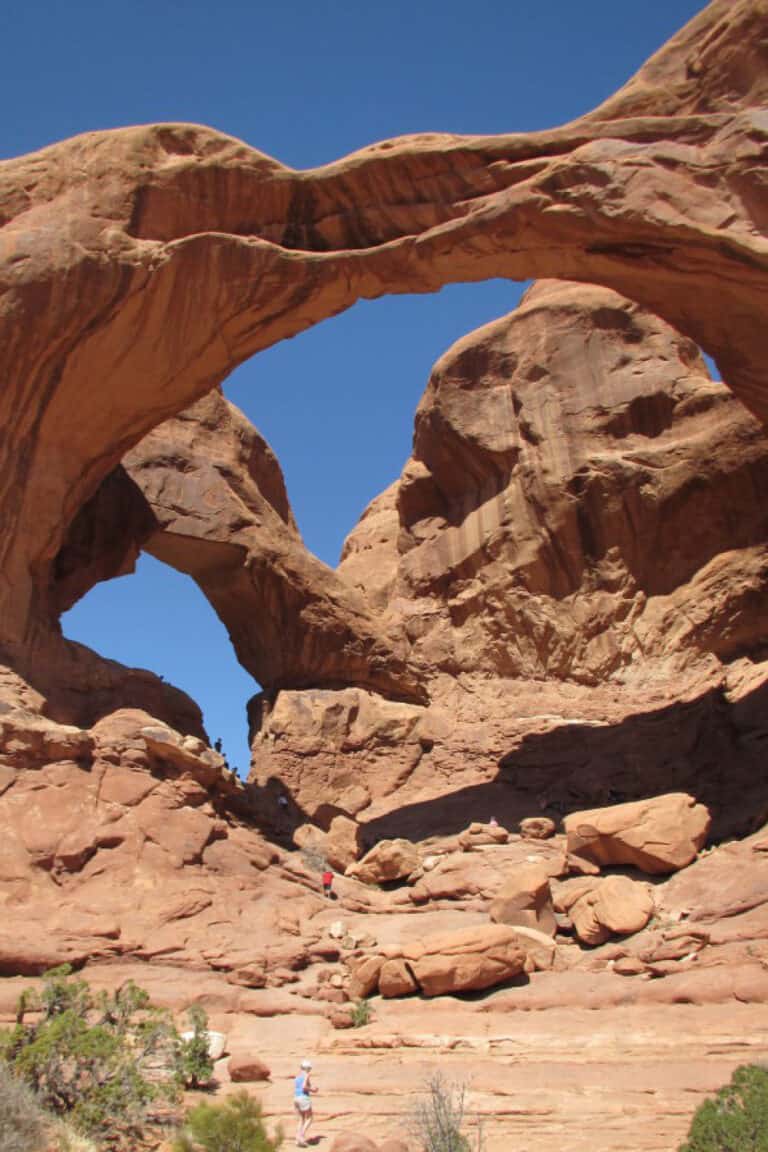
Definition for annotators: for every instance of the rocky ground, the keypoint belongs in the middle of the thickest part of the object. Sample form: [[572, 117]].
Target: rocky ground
[[606, 1046]]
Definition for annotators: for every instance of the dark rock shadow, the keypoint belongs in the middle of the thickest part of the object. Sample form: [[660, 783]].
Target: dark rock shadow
[[711, 747]]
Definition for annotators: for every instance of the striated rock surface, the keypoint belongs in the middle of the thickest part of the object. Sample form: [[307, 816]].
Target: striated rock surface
[[575, 474]]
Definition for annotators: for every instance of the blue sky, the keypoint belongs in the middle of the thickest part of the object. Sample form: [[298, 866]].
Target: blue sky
[[308, 82]]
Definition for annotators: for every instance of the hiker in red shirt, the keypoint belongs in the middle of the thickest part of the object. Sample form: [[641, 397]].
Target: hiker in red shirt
[[327, 883]]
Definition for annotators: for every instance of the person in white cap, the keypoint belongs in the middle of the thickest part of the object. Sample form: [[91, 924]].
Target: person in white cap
[[302, 1102]]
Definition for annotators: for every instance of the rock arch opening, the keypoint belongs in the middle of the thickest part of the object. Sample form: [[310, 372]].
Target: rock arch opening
[[336, 404], [158, 619]]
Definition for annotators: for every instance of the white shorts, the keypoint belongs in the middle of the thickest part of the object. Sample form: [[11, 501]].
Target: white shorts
[[302, 1104]]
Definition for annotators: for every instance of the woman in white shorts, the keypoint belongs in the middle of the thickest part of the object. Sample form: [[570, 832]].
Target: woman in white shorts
[[302, 1102]]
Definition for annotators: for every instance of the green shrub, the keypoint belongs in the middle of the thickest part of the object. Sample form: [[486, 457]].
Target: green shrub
[[100, 1061], [361, 1013], [194, 1066], [234, 1126], [736, 1120], [22, 1120]]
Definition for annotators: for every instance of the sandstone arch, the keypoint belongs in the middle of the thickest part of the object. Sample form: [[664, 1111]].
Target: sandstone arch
[[140, 266]]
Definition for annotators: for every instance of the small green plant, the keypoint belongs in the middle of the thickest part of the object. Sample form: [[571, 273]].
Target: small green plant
[[736, 1120], [437, 1118], [361, 1013], [193, 1062], [234, 1126]]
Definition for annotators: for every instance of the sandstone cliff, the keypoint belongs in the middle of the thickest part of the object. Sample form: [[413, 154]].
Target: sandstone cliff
[[140, 266]]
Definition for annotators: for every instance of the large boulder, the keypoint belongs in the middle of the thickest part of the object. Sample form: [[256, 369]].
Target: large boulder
[[342, 844], [465, 961], [468, 961], [599, 907], [364, 976], [244, 1069], [526, 900], [389, 860], [662, 834], [537, 828]]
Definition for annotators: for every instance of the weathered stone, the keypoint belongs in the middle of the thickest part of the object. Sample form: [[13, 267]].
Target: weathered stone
[[389, 860], [478, 835], [364, 977], [658, 835], [342, 845], [244, 1069], [525, 899], [537, 828], [396, 979]]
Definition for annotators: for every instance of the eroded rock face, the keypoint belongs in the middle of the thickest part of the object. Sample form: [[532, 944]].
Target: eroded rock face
[[106, 238], [575, 477], [221, 514], [576, 559], [464, 961]]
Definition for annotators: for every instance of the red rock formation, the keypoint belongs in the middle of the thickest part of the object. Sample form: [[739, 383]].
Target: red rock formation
[[573, 565], [108, 239], [582, 509], [221, 514]]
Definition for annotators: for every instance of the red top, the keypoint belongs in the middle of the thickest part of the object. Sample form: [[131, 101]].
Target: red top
[[327, 877]]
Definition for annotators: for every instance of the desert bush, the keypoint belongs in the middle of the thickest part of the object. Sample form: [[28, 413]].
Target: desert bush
[[22, 1120], [361, 1013], [234, 1126], [194, 1066], [100, 1061], [736, 1120], [437, 1118]]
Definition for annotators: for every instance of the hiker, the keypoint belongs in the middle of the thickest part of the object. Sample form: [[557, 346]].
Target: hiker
[[327, 883], [302, 1102]]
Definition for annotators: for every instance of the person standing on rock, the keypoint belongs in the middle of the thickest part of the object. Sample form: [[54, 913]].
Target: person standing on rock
[[327, 883], [302, 1102]]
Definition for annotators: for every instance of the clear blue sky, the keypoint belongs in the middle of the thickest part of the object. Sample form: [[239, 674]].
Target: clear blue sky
[[308, 82]]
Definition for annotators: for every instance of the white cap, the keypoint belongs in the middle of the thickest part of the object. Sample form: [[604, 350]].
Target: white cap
[[306, 1065]]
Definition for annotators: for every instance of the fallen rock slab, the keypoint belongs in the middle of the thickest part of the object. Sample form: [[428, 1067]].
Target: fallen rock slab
[[662, 834], [466, 961], [389, 860]]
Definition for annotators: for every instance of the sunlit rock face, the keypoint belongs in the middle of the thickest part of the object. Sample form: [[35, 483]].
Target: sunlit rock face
[[575, 480], [140, 266], [576, 558]]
